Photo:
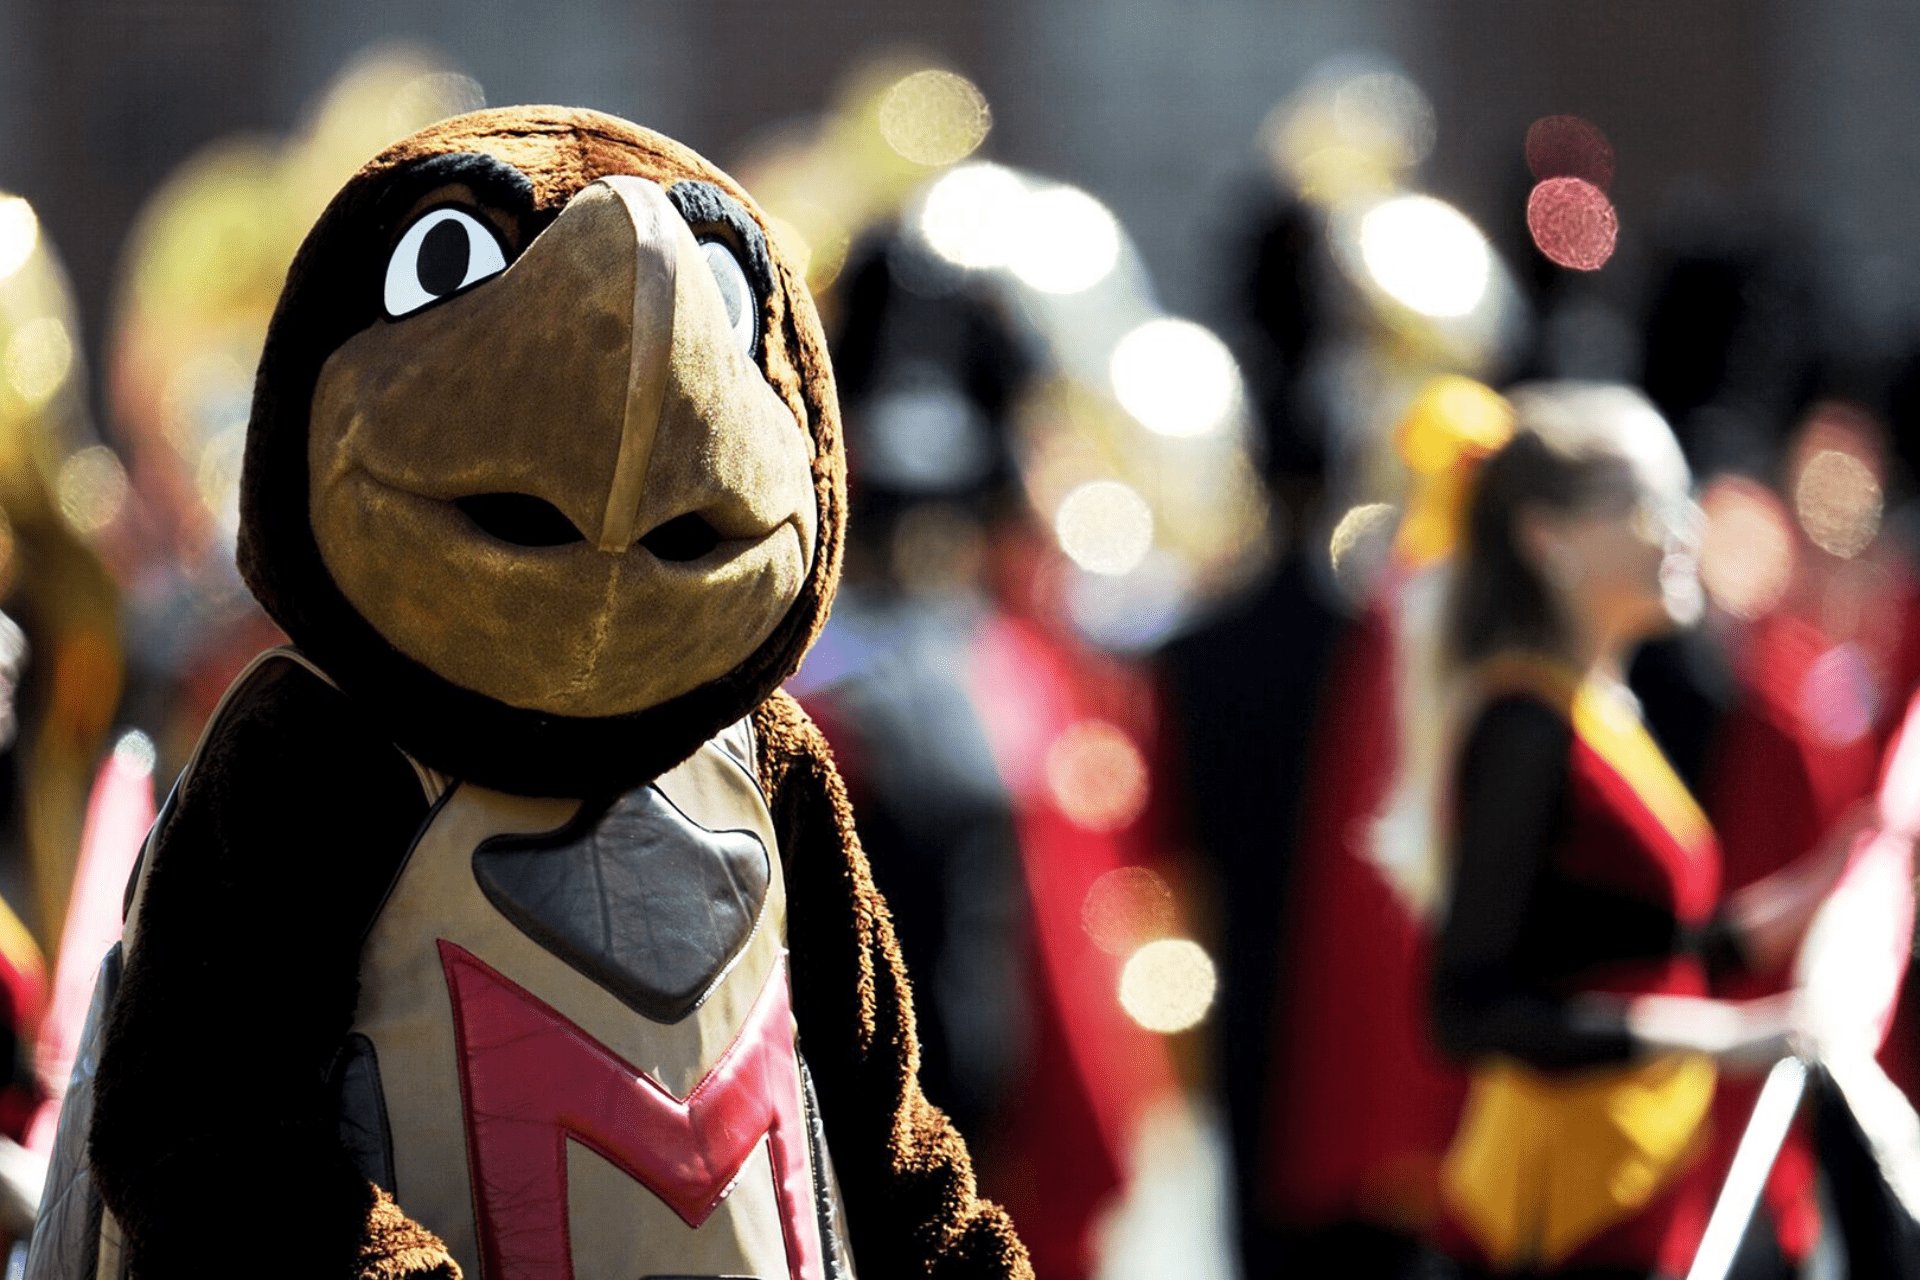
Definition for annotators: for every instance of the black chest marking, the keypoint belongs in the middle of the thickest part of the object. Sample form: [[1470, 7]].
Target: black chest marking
[[641, 899]]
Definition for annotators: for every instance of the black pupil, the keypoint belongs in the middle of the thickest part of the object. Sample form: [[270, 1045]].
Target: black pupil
[[443, 257]]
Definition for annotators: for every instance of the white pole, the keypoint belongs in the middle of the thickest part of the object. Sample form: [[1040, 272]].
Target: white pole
[[1759, 1145]]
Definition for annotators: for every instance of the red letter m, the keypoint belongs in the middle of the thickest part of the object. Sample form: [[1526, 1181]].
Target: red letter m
[[531, 1080]]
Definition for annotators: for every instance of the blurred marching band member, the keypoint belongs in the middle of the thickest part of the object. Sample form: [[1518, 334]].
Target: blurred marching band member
[[61, 494], [1584, 912], [948, 681], [1360, 1105], [1820, 614]]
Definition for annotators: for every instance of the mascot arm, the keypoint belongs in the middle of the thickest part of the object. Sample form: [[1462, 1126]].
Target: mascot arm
[[213, 1141], [912, 1208]]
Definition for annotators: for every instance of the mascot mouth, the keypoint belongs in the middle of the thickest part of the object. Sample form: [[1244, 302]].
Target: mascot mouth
[[522, 520]]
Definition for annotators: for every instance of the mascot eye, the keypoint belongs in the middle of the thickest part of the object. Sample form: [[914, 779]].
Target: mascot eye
[[441, 254], [743, 309]]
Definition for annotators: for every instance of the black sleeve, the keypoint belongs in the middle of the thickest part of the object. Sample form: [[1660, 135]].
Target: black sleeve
[[212, 1141], [1510, 800]]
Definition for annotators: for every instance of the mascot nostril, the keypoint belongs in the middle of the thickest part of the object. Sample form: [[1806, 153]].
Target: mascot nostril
[[686, 537], [519, 519], [518, 914]]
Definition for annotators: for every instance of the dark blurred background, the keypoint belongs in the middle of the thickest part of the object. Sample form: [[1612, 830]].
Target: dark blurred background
[[1805, 108]]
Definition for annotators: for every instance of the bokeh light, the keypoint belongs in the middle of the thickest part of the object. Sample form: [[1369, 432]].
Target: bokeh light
[[217, 477], [1097, 776], [1573, 223], [924, 436], [207, 394], [1838, 500], [972, 215], [38, 360], [1127, 907], [1175, 376], [1352, 129], [92, 489], [1839, 697], [1569, 147], [1137, 612], [1746, 551], [1426, 255], [1383, 113], [19, 233], [136, 751], [1104, 526], [1067, 241], [1358, 548], [1168, 985], [9, 547], [934, 117]]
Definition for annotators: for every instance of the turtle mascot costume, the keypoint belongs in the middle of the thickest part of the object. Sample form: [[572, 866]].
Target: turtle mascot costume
[[513, 924]]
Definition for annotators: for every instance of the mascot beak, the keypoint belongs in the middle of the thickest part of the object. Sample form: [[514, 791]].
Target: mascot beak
[[629, 247], [629, 218]]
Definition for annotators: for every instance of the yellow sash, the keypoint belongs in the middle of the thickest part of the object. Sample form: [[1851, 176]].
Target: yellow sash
[[1611, 729], [1544, 1163]]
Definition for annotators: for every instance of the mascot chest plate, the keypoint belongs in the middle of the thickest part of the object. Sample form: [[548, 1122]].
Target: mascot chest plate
[[574, 1053]]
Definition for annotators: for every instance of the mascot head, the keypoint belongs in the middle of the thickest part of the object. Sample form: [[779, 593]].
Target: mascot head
[[545, 463]]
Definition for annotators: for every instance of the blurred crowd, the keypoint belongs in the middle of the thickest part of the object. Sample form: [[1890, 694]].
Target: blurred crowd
[[1129, 673]]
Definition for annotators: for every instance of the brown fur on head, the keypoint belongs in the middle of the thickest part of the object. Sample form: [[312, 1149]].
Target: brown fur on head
[[502, 732]]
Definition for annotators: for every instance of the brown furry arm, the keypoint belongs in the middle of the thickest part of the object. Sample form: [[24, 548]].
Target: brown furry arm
[[213, 1141], [912, 1208]]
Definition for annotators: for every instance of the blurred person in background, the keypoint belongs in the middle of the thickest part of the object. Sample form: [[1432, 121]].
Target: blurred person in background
[[1584, 911], [1242, 687], [1815, 605], [1008, 771], [61, 491], [1362, 357], [889, 682], [1359, 1103], [60, 654]]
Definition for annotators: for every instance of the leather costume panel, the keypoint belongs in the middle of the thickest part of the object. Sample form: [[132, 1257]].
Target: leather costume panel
[[644, 901], [618, 1226], [831, 1205], [66, 1237], [361, 1107]]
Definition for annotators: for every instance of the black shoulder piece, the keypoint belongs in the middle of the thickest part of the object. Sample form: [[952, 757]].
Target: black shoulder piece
[[275, 852]]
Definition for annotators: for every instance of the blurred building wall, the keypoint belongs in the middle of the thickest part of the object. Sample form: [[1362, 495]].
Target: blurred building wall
[[633, 59], [104, 97], [1683, 88], [1846, 151], [1154, 106], [1151, 105]]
